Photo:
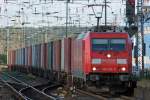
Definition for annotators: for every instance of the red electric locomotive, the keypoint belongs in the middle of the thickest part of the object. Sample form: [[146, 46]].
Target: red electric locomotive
[[107, 60]]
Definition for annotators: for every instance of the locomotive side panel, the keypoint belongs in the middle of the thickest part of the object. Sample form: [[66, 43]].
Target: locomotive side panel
[[130, 47], [87, 54]]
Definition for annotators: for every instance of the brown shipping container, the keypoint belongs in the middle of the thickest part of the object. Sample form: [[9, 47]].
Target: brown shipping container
[[11, 58], [30, 56], [67, 55], [72, 54], [57, 55]]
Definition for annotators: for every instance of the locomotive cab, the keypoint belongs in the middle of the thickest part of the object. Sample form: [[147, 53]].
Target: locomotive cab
[[108, 61], [109, 55]]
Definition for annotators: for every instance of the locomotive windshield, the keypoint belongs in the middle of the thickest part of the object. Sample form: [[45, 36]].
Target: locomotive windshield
[[108, 44], [99, 44], [117, 44]]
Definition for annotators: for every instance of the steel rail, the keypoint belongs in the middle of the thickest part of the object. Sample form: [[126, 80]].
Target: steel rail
[[91, 94], [29, 86], [14, 90]]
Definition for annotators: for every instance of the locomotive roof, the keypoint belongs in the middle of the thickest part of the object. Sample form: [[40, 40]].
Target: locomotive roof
[[84, 34]]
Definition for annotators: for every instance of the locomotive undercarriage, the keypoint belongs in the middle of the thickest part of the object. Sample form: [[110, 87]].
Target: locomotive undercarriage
[[115, 83]]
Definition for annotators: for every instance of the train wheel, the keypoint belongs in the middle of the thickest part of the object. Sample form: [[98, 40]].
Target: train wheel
[[130, 91], [130, 88]]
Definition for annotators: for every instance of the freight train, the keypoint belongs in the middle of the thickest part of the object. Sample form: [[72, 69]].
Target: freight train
[[102, 59]]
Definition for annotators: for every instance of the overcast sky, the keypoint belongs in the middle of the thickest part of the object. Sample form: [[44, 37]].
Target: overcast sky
[[18, 11]]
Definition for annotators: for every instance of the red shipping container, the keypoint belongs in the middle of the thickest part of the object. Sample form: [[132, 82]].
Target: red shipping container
[[57, 55], [13, 57], [72, 54]]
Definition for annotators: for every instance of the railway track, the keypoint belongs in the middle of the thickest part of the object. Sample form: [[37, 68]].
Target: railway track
[[14, 88], [91, 94], [104, 96], [46, 91], [126, 98], [49, 90], [24, 91], [43, 86]]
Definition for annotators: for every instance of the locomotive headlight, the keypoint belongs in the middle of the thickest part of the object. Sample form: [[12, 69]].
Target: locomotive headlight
[[123, 69], [108, 55], [94, 69], [96, 61], [121, 61]]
